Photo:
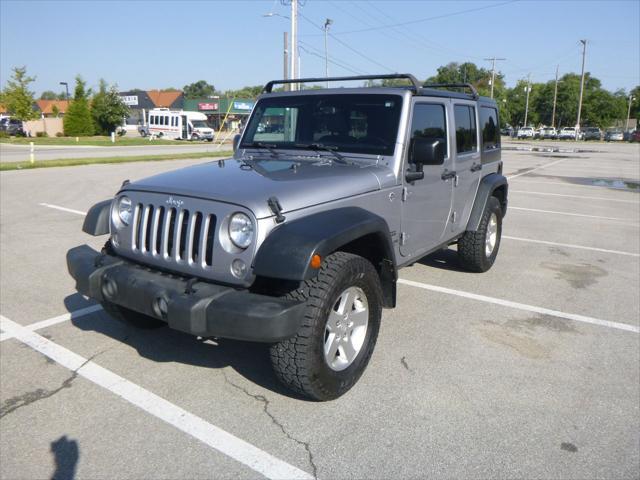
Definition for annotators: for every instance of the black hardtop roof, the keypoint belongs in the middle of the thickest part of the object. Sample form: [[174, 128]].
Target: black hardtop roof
[[431, 90]]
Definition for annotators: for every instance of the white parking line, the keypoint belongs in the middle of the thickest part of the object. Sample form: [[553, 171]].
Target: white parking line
[[523, 306], [64, 209], [573, 214], [568, 184], [569, 245], [216, 438], [537, 168], [528, 192], [55, 320]]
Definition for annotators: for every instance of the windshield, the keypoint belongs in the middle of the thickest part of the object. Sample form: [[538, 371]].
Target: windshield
[[366, 123], [199, 124]]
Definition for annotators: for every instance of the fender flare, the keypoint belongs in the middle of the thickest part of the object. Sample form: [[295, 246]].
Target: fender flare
[[96, 222], [286, 253], [486, 188]]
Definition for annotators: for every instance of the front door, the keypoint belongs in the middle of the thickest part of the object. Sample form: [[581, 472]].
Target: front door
[[427, 202], [185, 127]]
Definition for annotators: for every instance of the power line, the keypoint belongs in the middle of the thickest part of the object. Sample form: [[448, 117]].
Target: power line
[[347, 45], [426, 19], [310, 49]]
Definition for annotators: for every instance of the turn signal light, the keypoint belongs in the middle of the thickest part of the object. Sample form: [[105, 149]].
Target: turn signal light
[[316, 261]]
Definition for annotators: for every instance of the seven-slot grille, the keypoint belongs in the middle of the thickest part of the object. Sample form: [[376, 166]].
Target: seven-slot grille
[[174, 234]]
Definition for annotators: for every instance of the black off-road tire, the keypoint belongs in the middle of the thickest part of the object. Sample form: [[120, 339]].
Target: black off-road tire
[[471, 246], [132, 317], [299, 361]]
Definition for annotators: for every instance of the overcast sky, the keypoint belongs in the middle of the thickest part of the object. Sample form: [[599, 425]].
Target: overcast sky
[[160, 44]]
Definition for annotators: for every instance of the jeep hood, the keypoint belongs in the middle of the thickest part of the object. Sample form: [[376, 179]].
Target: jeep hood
[[250, 183]]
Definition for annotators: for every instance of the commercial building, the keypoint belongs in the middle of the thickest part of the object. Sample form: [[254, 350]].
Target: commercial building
[[230, 113]]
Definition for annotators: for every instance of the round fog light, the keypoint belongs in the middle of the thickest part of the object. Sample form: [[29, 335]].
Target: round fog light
[[109, 288], [238, 268]]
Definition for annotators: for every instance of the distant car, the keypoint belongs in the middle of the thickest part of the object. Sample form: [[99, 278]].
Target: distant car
[[507, 130], [568, 133], [614, 135], [592, 133], [635, 136], [12, 127], [526, 132], [547, 133]]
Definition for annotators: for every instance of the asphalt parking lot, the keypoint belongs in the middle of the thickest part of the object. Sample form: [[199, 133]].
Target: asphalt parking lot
[[531, 370]]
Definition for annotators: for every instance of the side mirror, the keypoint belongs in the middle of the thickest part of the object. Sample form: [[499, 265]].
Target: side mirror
[[236, 142], [424, 151]]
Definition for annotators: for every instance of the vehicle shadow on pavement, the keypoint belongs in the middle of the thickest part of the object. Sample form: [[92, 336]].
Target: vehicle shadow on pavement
[[444, 260], [251, 360]]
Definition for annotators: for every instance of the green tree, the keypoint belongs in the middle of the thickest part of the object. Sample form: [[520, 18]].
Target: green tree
[[107, 109], [55, 111], [16, 96], [199, 89], [635, 104], [245, 92], [77, 120], [51, 95]]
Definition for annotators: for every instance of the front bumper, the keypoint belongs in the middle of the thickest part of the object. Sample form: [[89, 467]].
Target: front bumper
[[200, 308]]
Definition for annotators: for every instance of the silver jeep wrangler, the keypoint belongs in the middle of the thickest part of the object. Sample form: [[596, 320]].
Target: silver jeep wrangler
[[297, 240]]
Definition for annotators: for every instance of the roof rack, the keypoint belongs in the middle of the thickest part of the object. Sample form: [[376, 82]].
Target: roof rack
[[474, 92], [414, 81]]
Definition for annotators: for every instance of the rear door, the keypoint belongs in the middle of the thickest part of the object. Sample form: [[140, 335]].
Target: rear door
[[468, 163], [427, 202]]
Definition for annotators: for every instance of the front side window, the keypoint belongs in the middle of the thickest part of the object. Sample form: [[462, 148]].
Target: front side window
[[365, 123], [429, 121], [466, 132], [490, 132]]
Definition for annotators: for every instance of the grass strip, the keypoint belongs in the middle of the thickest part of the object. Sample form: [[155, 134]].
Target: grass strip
[[99, 141], [72, 162]]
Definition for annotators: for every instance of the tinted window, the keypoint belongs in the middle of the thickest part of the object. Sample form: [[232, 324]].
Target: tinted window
[[429, 121], [352, 123], [466, 132], [490, 132]]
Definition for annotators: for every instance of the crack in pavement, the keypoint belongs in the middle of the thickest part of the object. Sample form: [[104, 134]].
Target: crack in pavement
[[404, 363], [265, 407], [15, 403]]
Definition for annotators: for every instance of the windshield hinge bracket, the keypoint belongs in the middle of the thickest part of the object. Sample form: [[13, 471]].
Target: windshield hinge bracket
[[276, 208]]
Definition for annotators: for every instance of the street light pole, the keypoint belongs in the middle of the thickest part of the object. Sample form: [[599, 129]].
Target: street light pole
[[493, 71], [286, 60], [294, 43], [526, 108], [327, 22], [66, 86], [631, 99], [555, 98], [584, 51]]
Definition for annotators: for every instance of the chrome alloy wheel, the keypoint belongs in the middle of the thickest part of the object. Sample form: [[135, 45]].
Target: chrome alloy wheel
[[346, 329], [492, 235]]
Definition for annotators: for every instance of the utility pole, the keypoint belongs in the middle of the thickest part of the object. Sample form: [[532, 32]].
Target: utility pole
[[294, 43], [584, 51], [555, 99], [493, 70], [526, 108], [327, 22], [286, 60], [631, 99]]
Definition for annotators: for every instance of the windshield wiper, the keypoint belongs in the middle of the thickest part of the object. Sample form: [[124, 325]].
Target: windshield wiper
[[326, 148], [269, 146]]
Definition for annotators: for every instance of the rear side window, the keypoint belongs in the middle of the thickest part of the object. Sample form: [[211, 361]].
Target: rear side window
[[429, 121], [466, 131], [490, 132]]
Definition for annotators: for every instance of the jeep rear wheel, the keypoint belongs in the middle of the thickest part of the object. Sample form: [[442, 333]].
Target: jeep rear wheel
[[477, 250], [338, 332]]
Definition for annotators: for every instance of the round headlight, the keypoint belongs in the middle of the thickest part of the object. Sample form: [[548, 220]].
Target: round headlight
[[240, 230], [124, 209]]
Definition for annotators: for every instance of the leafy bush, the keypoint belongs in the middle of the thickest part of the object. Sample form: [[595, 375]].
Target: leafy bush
[[77, 121], [41, 134], [59, 134]]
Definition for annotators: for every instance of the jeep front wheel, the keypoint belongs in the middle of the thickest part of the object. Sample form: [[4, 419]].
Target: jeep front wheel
[[338, 332], [478, 250]]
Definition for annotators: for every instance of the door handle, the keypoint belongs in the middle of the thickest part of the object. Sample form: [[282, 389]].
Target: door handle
[[475, 167], [447, 175]]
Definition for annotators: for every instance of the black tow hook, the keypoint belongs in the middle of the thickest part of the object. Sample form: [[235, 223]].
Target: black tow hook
[[189, 288]]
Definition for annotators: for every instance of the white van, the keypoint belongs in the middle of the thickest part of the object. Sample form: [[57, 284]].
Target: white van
[[176, 124]]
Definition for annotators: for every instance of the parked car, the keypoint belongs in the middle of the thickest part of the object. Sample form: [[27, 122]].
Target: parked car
[[12, 127], [547, 133], [635, 136], [507, 130], [569, 133], [614, 135], [303, 252], [592, 133], [526, 132]]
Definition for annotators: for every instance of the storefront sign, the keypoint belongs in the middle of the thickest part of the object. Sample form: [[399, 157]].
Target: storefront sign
[[207, 106], [242, 105], [131, 100]]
